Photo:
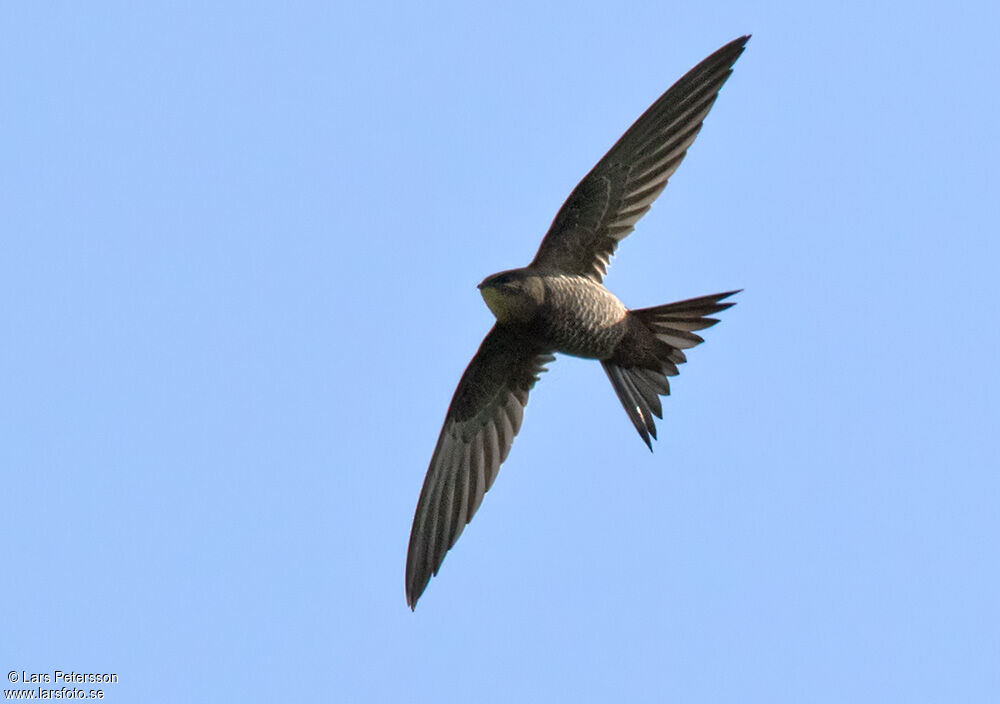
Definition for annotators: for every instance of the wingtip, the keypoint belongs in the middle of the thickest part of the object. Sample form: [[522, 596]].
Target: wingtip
[[739, 42], [412, 586], [737, 45]]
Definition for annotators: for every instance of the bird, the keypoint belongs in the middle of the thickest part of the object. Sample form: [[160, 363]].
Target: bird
[[558, 304]]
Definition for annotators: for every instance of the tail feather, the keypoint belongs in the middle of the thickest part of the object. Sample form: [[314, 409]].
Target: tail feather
[[636, 405], [639, 368]]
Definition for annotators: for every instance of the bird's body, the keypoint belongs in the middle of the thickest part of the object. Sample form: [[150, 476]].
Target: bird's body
[[563, 313], [558, 303], [582, 318]]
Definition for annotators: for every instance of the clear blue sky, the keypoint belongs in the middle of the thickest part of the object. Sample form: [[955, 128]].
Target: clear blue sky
[[237, 287]]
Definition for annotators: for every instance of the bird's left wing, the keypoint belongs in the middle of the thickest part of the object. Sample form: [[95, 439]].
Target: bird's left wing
[[483, 418], [606, 204]]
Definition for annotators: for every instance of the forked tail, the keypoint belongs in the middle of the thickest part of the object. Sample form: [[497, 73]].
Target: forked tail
[[651, 352]]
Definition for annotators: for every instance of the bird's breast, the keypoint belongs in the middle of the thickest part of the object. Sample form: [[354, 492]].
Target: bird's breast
[[580, 317]]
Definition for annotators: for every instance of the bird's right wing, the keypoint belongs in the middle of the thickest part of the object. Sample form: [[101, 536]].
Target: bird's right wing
[[482, 420], [606, 204]]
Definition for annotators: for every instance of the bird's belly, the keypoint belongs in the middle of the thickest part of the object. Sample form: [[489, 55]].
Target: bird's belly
[[580, 318]]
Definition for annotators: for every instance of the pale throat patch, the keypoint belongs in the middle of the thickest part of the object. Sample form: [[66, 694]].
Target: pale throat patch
[[498, 304]]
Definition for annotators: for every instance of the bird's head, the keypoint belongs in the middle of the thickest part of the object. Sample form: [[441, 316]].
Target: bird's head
[[513, 296]]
